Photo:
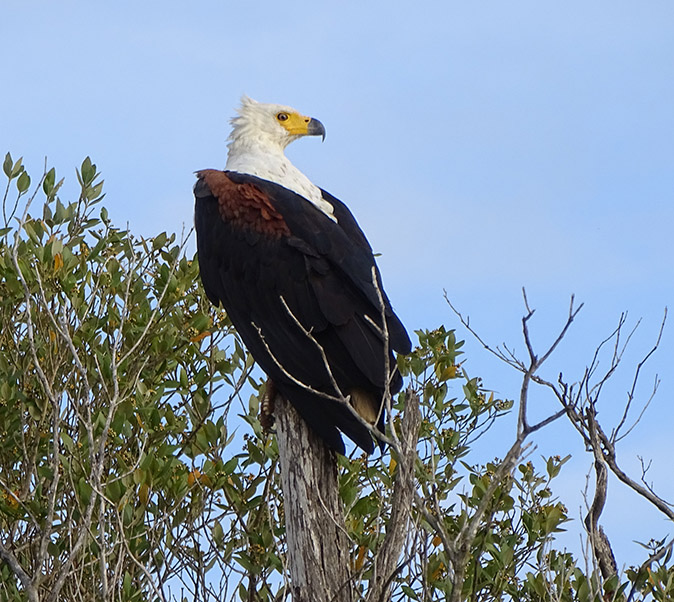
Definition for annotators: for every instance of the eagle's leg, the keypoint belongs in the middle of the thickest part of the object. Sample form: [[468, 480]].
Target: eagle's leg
[[267, 407]]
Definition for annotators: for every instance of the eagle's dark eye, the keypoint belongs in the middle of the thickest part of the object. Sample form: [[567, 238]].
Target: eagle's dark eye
[[282, 116]]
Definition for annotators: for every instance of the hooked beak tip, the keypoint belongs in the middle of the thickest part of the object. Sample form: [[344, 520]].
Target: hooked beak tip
[[316, 128]]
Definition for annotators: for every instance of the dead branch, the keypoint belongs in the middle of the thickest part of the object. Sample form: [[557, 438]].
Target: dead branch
[[615, 437], [601, 546], [459, 550], [579, 402], [15, 566]]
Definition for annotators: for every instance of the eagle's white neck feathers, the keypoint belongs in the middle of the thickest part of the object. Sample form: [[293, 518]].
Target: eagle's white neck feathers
[[256, 147]]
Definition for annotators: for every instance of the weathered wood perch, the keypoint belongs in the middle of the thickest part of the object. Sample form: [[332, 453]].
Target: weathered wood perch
[[318, 546]]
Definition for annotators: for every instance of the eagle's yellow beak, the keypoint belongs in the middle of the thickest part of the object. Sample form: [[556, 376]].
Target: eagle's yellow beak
[[301, 125]]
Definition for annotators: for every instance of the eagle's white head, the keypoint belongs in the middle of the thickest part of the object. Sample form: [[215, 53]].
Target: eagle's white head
[[260, 133], [270, 126]]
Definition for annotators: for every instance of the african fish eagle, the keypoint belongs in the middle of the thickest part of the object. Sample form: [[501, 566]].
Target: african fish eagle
[[293, 270]]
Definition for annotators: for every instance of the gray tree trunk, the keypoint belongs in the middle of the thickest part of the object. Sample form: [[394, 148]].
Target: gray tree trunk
[[318, 547]]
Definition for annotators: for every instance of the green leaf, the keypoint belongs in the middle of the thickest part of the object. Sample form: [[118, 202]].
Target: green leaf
[[412, 595], [554, 464], [230, 466], [23, 183], [49, 181], [159, 241], [59, 212], [126, 584], [88, 171], [84, 490], [245, 561], [201, 322], [7, 165], [17, 168], [218, 534]]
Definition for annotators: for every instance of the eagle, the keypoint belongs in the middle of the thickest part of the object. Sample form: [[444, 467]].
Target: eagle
[[298, 279]]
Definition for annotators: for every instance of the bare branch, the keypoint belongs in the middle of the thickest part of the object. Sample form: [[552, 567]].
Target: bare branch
[[465, 321], [573, 312], [598, 539], [26, 582], [615, 437], [319, 348], [386, 559]]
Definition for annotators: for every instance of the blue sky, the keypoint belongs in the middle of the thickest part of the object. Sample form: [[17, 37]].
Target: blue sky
[[483, 147]]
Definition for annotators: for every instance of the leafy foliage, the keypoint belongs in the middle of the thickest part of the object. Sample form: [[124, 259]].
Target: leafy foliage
[[125, 474]]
